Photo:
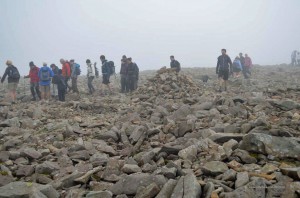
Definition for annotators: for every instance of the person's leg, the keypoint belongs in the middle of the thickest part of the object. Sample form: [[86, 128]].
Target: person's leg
[[48, 92], [43, 92], [75, 88], [37, 90], [90, 86], [225, 85], [63, 96], [32, 86], [59, 95], [122, 84]]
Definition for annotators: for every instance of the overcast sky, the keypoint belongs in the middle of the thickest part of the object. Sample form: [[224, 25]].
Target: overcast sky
[[149, 31]]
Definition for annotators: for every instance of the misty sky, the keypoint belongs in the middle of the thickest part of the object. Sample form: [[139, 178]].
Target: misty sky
[[149, 31]]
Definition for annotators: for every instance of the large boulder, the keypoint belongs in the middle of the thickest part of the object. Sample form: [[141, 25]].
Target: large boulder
[[281, 147], [27, 189]]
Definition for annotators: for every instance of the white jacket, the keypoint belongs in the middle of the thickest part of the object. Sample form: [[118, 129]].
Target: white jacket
[[90, 70]]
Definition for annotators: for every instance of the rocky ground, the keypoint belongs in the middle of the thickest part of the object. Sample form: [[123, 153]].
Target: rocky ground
[[173, 137]]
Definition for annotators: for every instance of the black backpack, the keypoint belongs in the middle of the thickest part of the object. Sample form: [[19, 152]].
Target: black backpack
[[111, 66], [14, 73], [96, 70]]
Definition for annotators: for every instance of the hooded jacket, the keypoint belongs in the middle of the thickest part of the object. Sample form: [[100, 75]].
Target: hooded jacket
[[66, 70], [34, 75]]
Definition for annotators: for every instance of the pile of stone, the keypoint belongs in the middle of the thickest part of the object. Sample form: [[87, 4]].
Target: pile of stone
[[154, 142]]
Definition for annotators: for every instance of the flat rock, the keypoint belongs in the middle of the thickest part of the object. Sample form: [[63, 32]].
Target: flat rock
[[167, 189], [98, 194], [292, 172], [131, 168], [225, 137], [214, 168], [242, 178], [150, 191], [31, 153]]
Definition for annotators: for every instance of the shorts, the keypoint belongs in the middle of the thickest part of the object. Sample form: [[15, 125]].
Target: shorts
[[12, 86], [224, 74], [105, 79], [45, 88]]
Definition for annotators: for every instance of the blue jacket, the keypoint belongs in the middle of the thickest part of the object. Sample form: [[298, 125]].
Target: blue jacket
[[105, 68], [45, 68], [237, 63]]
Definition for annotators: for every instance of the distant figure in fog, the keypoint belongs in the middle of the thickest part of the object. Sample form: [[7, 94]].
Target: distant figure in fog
[[224, 67], [236, 67], [123, 73], [248, 64], [90, 76], [175, 64], [298, 58], [131, 72], [294, 58]]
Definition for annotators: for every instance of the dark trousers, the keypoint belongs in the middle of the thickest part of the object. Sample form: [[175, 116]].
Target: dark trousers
[[131, 82], [35, 90], [61, 94], [74, 85], [124, 87], [67, 85], [246, 72], [90, 85]]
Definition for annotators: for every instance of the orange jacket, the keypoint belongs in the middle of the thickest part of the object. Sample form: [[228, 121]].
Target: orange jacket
[[66, 70]]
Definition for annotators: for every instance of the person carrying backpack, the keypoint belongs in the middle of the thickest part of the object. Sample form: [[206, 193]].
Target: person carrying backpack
[[90, 76], [54, 92], [106, 72], [123, 73], [248, 64], [66, 72], [131, 72], [237, 67], [75, 72], [45, 74], [61, 86], [34, 81], [175, 64], [224, 67], [13, 79]]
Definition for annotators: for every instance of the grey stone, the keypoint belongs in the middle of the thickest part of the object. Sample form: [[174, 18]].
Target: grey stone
[[67, 181], [229, 175], [99, 159], [188, 153], [81, 155], [214, 168], [149, 191], [131, 168], [225, 137], [292, 172], [231, 129], [281, 147], [208, 189], [47, 167], [25, 170], [6, 179], [245, 128], [97, 194], [167, 189], [187, 187], [244, 156], [31, 153], [27, 189], [129, 184], [242, 178]]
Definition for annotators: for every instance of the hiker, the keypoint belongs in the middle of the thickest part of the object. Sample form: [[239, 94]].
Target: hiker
[[45, 74], [137, 72], [298, 58], [294, 58], [175, 64], [34, 81], [13, 79], [106, 72], [242, 59], [75, 72], [66, 72], [123, 73], [131, 72], [90, 76], [248, 64], [61, 86], [224, 67], [236, 67], [54, 91]]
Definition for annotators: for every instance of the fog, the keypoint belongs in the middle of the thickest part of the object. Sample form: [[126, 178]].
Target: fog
[[149, 31]]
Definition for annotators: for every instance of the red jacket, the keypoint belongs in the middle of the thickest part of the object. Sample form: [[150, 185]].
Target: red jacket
[[33, 74], [66, 70]]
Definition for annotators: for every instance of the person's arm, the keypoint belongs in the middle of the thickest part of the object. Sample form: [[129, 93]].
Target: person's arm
[[4, 75], [230, 64], [51, 73], [217, 68]]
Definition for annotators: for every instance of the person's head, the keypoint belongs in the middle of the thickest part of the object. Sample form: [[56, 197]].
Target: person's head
[[241, 54], [31, 64], [52, 65], [124, 57], [102, 57], [246, 55], [129, 60], [8, 62], [60, 71], [62, 61], [172, 58], [44, 64], [237, 58], [72, 61], [88, 61], [223, 51]]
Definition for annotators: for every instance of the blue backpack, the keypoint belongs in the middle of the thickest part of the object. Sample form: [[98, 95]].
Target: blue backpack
[[77, 69], [45, 75]]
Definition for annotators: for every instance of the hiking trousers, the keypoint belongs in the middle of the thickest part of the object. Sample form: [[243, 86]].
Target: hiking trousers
[[54, 90], [90, 84], [74, 85], [131, 82], [35, 90], [62, 95], [124, 87]]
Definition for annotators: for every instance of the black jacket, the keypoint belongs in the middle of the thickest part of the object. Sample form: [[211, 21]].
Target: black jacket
[[224, 63], [132, 69], [8, 70], [175, 64]]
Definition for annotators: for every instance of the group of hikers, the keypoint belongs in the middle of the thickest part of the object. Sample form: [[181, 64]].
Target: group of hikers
[[225, 68], [52, 81], [295, 58]]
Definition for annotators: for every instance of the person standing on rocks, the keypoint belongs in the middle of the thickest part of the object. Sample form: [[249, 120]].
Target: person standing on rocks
[[224, 67], [237, 67], [137, 73], [298, 58], [131, 72], [242, 59], [175, 64], [123, 73], [248, 64], [105, 72], [66, 72], [13, 79], [34, 81], [75, 68], [45, 75], [61, 86], [90, 76], [294, 58], [55, 69]]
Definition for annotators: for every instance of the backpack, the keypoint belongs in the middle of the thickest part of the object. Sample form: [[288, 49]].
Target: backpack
[[96, 71], [77, 69], [111, 68], [45, 75], [14, 73]]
